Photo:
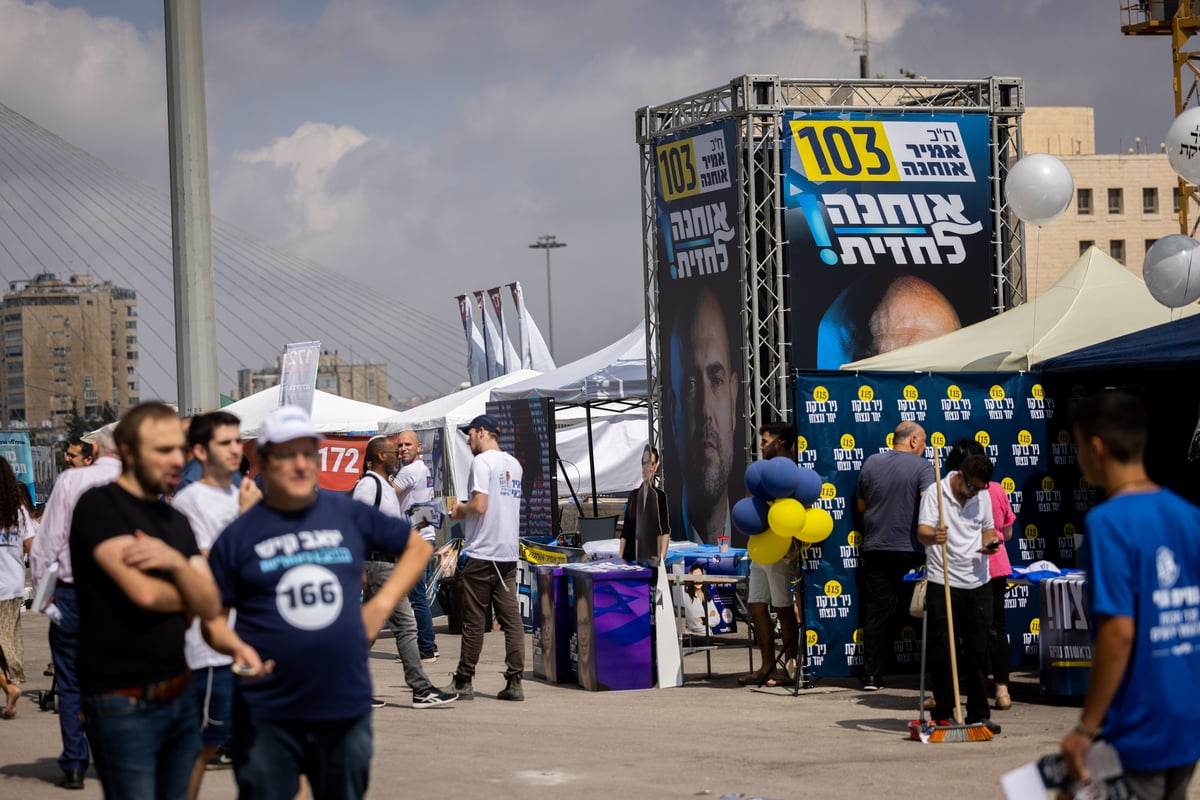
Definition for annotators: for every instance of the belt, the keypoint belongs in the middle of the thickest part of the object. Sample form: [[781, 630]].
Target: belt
[[381, 556], [163, 690]]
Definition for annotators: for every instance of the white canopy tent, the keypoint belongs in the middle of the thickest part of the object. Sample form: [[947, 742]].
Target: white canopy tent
[[613, 378], [330, 413], [1095, 300]]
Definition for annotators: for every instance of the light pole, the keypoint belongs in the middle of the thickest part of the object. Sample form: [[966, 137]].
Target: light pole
[[548, 242]]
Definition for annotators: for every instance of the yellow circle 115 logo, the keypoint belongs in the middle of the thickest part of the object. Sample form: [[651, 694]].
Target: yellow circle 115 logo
[[833, 589]]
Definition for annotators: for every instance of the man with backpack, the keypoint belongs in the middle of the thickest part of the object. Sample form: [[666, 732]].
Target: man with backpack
[[375, 489]]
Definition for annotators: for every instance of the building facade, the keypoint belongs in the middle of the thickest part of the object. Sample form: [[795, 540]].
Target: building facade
[[1124, 202], [365, 382], [67, 344]]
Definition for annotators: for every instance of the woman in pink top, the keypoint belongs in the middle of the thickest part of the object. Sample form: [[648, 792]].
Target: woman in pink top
[[999, 569]]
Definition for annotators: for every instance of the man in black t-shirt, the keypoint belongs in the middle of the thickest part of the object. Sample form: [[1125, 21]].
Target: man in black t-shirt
[[139, 577]]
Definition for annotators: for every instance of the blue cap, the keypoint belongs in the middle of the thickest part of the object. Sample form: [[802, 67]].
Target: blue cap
[[485, 421]]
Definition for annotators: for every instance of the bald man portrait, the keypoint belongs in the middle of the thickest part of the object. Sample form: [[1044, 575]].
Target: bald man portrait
[[876, 315], [705, 370]]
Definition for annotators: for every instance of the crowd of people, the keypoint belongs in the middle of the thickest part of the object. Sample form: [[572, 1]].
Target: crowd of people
[[186, 614]]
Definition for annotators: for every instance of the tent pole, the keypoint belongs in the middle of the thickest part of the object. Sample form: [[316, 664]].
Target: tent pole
[[587, 410]]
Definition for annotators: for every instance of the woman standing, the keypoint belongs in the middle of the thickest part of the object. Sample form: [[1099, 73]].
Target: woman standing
[[17, 529]]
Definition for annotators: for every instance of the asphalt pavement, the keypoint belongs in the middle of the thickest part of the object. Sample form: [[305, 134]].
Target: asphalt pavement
[[708, 738]]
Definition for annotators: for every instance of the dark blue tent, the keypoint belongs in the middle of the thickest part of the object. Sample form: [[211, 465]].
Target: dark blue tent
[[1172, 344]]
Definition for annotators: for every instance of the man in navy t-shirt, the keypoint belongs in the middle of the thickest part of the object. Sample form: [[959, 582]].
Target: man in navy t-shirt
[[292, 568], [1143, 588]]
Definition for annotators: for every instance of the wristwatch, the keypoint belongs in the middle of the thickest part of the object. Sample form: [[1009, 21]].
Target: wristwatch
[[1087, 730]]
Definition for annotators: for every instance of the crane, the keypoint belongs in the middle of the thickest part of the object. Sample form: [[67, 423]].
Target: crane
[[1179, 19]]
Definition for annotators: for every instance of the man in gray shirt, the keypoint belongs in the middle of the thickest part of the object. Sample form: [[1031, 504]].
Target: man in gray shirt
[[888, 496]]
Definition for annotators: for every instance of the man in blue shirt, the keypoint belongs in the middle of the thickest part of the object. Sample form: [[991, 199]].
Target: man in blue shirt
[[292, 568], [1143, 577]]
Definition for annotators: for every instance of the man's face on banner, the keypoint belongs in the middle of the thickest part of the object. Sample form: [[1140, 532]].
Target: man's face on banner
[[708, 394]]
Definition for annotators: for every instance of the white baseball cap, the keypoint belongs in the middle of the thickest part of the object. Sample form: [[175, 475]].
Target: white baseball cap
[[285, 424]]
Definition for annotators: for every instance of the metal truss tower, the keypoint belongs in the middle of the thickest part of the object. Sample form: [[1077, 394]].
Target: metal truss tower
[[757, 104]]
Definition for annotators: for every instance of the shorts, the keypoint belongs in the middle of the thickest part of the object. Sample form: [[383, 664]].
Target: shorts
[[772, 583], [213, 689]]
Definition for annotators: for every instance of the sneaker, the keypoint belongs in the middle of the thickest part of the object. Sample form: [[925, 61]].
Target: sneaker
[[512, 690], [220, 760], [432, 696], [428, 657], [872, 683], [461, 687], [377, 703]]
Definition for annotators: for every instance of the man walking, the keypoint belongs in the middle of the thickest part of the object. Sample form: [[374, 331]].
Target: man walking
[[51, 547], [491, 544], [969, 535], [210, 504], [373, 489], [291, 566], [1143, 585], [889, 492], [139, 577], [414, 485]]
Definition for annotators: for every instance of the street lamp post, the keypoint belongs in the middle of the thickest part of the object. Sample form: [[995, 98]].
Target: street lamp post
[[548, 242]]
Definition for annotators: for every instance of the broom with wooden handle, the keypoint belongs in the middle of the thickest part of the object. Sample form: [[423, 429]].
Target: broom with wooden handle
[[957, 732]]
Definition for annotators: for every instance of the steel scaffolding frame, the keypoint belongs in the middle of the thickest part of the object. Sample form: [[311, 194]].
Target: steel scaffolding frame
[[757, 103]]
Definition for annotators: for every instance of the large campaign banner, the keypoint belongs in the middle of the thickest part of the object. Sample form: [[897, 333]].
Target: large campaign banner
[[14, 447], [844, 418], [889, 227], [700, 312]]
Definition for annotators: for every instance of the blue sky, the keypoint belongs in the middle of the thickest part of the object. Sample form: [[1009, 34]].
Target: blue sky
[[419, 147]]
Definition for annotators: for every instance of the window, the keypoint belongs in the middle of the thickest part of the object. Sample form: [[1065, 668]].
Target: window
[[1083, 202], [1084, 244], [130, 340], [131, 324], [12, 350], [1148, 244], [1150, 201], [88, 383], [131, 355], [1116, 201], [1116, 249], [90, 396], [1175, 200]]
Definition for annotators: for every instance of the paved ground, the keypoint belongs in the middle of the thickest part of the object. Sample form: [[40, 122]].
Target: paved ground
[[709, 738]]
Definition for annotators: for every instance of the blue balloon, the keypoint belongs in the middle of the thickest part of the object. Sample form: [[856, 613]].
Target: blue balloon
[[754, 480], [750, 516], [781, 477], [808, 487]]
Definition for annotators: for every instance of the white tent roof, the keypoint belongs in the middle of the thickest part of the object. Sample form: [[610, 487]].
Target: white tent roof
[[1095, 300], [616, 372], [330, 413]]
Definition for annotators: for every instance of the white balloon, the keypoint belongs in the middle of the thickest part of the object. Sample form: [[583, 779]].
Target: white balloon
[[1183, 145], [1172, 270], [1039, 188]]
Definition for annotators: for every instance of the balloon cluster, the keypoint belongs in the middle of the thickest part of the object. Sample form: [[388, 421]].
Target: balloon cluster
[[1167, 269], [776, 511]]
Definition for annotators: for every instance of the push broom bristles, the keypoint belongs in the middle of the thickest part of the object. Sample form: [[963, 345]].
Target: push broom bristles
[[938, 734]]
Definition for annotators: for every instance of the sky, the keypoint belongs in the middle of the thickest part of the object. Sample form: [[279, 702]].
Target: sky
[[419, 147]]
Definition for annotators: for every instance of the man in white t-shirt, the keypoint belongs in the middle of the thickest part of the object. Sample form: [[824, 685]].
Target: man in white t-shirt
[[414, 485], [968, 533], [375, 490], [492, 546], [210, 504]]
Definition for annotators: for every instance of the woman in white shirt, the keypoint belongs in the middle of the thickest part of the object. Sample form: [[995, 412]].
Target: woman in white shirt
[[17, 529]]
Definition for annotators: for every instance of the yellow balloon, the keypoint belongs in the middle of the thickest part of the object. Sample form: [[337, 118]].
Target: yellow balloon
[[786, 517], [768, 547], [817, 527]]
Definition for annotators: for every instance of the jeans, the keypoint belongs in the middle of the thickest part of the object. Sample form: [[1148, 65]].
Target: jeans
[[404, 625], [64, 642], [481, 583], [972, 620], [426, 642], [143, 748], [881, 581], [269, 757]]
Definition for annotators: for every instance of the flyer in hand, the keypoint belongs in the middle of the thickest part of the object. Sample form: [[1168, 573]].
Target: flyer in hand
[[427, 513], [1049, 777]]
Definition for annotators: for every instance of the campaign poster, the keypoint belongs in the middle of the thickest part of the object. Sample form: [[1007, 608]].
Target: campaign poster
[[701, 335], [14, 447], [527, 434], [889, 230]]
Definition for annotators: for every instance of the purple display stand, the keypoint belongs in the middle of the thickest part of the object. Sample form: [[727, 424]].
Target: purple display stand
[[553, 625], [612, 608]]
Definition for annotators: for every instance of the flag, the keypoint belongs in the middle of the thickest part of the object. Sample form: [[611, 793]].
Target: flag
[[489, 351], [476, 363], [518, 297], [505, 362]]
